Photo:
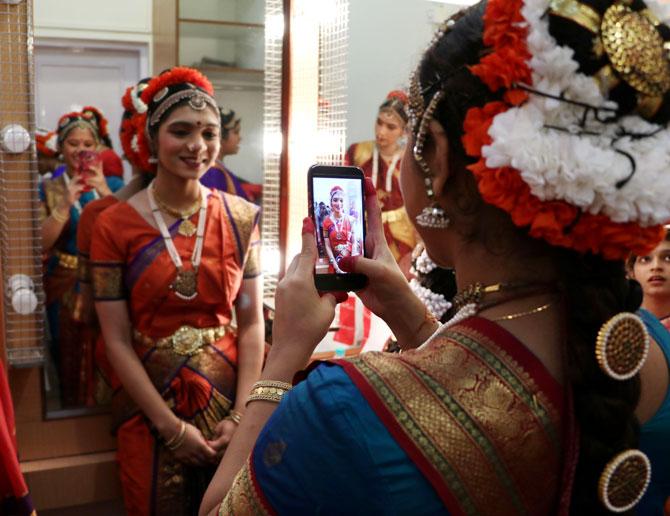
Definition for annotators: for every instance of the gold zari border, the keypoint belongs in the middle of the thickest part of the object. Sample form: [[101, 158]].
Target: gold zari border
[[477, 417], [242, 498], [107, 281]]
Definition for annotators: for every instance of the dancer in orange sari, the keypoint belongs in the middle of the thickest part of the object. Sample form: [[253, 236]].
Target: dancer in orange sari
[[380, 160], [165, 289]]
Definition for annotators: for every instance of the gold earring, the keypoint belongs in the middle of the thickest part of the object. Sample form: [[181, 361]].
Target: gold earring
[[433, 216]]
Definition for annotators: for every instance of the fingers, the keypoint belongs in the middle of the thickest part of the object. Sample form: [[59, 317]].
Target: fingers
[[335, 297]]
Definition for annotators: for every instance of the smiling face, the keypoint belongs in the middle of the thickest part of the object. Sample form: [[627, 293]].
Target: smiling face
[[337, 203], [653, 271], [77, 140], [188, 142]]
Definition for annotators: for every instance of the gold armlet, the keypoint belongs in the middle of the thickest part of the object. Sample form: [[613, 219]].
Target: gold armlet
[[268, 390]]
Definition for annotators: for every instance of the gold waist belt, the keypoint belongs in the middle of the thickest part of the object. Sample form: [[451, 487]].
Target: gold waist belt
[[394, 215], [186, 340], [67, 261]]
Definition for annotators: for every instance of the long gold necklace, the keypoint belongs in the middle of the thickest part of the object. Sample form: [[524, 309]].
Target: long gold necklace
[[186, 227]]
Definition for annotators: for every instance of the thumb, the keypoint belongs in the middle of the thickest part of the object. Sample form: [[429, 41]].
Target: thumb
[[362, 265]]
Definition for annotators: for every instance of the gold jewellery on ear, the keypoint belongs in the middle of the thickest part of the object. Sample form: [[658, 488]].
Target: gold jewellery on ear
[[433, 216]]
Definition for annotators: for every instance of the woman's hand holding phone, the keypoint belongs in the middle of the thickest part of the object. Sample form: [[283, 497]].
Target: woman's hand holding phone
[[387, 293], [303, 315], [91, 173]]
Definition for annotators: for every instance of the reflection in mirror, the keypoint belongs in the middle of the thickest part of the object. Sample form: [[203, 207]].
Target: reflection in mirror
[[92, 63]]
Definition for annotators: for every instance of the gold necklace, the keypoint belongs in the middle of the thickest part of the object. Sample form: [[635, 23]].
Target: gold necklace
[[532, 311], [186, 227]]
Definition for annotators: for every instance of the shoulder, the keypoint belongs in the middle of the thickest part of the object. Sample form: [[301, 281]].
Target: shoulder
[[239, 209], [91, 212], [327, 223], [360, 152]]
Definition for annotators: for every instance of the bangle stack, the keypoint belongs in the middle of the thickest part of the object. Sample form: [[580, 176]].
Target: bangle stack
[[60, 217], [235, 416], [179, 438], [268, 390]]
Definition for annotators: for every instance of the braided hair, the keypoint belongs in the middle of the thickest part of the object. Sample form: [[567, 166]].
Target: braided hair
[[593, 289]]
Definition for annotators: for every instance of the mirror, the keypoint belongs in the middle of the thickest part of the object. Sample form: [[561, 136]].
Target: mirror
[[91, 62]]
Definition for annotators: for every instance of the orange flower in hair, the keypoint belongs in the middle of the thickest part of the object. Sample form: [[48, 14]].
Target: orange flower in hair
[[173, 76]]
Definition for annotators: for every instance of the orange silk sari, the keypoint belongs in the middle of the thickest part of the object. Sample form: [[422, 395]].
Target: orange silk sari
[[95, 373], [129, 262]]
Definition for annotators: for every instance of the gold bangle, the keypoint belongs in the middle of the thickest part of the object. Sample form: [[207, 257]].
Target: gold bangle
[[235, 416], [178, 439], [59, 217], [268, 390]]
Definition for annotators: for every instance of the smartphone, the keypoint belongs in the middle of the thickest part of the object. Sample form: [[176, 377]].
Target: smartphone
[[85, 160], [336, 206]]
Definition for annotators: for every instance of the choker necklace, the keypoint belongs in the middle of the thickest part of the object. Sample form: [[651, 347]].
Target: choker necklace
[[185, 284], [186, 227], [475, 293]]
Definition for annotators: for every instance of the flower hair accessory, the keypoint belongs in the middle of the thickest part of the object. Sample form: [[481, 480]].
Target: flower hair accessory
[[396, 102], [46, 143], [69, 121], [334, 190], [579, 158], [133, 109], [101, 121]]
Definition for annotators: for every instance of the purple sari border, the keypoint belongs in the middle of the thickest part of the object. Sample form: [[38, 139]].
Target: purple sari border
[[146, 256]]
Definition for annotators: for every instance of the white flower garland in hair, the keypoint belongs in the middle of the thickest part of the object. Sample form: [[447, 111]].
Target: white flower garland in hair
[[52, 142], [140, 107], [581, 170], [434, 302]]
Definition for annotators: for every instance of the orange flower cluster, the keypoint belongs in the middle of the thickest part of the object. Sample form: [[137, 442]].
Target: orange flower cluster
[[557, 222], [129, 128]]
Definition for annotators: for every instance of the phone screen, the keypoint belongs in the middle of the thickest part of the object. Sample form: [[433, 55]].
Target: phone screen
[[337, 209]]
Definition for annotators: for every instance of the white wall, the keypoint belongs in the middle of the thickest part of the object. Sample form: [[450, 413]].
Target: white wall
[[386, 40], [116, 20]]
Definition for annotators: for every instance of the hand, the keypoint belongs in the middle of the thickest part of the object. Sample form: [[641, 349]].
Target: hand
[[72, 194], [223, 433], [195, 450], [387, 291], [302, 315], [95, 177]]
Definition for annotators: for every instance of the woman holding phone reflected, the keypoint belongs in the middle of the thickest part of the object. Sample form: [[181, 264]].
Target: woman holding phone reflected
[[518, 404], [74, 184]]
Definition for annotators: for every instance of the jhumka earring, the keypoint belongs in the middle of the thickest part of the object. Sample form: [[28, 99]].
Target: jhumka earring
[[433, 216]]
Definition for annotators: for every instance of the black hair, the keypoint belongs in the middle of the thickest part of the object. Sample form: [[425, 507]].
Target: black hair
[[593, 289]]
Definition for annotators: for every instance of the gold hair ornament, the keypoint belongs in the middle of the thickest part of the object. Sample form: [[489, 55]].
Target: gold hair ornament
[[197, 100], [624, 481], [622, 346]]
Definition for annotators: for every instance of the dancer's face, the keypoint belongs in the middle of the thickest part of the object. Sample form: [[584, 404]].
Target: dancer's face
[[188, 141]]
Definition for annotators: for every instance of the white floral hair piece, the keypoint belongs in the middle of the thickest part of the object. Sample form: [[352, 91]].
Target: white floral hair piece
[[583, 170]]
